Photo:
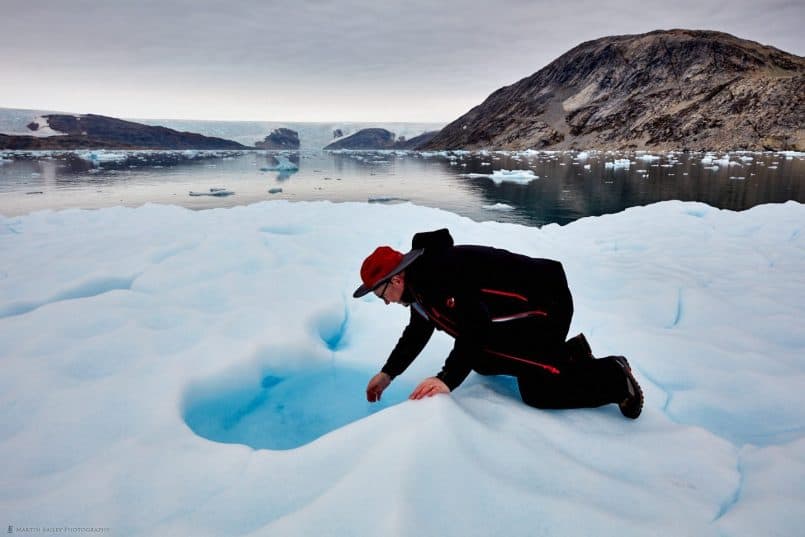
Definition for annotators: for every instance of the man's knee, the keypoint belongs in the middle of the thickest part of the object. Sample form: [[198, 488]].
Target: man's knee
[[540, 393]]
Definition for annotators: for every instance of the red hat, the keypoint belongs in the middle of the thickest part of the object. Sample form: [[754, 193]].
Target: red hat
[[379, 267]]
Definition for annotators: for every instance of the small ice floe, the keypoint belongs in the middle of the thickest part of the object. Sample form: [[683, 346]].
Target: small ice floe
[[486, 164], [283, 164], [737, 178], [711, 168], [384, 199], [498, 207], [217, 192], [500, 176], [789, 155], [274, 190], [648, 157], [771, 167], [587, 167], [34, 192], [100, 156], [618, 163], [583, 155]]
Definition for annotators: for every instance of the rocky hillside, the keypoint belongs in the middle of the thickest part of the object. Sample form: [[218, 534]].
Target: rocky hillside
[[281, 138], [376, 138], [676, 89], [101, 132]]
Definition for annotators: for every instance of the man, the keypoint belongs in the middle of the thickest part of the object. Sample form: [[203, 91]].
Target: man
[[509, 315]]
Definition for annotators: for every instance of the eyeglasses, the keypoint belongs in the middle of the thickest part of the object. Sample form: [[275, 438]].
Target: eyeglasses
[[382, 293]]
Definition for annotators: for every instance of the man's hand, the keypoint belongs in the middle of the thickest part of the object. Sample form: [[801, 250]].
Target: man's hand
[[376, 386], [428, 388]]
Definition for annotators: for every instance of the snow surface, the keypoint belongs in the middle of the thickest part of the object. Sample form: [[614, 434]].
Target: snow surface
[[177, 372]]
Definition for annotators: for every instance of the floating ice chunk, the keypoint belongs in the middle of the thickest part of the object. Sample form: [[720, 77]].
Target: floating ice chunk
[[217, 192], [283, 164], [618, 163], [587, 167], [737, 178], [513, 176], [583, 155], [498, 207], [648, 158], [386, 199], [791, 154], [100, 156]]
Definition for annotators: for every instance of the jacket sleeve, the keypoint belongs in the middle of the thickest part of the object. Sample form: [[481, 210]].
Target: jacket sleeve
[[474, 323], [414, 338], [457, 366]]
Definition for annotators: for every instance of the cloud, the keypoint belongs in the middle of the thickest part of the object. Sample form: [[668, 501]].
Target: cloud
[[435, 59]]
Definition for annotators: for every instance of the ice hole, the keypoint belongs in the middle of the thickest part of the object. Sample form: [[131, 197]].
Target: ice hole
[[284, 410]]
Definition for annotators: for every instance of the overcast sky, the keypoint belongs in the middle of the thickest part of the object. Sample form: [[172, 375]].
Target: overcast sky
[[322, 60]]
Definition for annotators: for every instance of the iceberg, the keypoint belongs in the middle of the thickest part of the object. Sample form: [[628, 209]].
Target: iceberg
[[178, 372], [498, 207], [621, 163], [216, 192], [499, 176], [283, 164]]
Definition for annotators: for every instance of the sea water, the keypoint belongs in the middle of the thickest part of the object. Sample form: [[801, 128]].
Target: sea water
[[531, 188]]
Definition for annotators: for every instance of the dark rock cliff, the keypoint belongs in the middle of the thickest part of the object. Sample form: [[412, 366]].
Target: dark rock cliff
[[376, 138], [676, 89], [280, 139], [101, 132]]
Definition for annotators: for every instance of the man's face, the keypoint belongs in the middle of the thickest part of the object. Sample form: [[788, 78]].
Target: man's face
[[392, 290]]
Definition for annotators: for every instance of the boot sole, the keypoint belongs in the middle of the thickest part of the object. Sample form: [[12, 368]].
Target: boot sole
[[633, 405]]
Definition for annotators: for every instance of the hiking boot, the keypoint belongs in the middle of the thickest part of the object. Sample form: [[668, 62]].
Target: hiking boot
[[633, 404], [578, 349]]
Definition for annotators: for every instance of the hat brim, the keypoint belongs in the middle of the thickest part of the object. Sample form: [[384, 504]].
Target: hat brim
[[406, 260]]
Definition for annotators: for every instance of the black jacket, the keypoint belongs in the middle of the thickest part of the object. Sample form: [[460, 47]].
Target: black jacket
[[508, 313]]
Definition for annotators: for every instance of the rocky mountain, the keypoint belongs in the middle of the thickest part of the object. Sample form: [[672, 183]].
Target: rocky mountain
[[676, 89], [416, 142], [376, 138], [281, 138], [100, 132]]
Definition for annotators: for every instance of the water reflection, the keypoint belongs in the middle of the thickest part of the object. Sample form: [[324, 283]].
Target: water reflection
[[569, 185]]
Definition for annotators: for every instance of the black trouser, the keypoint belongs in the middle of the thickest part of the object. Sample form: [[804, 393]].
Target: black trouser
[[580, 383], [583, 384]]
